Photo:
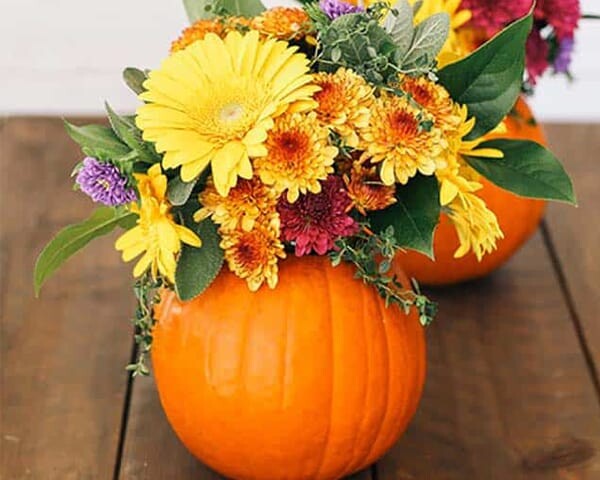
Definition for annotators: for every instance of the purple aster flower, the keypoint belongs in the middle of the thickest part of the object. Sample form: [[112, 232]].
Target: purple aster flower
[[564, 55], [103, 183], [336, 8]]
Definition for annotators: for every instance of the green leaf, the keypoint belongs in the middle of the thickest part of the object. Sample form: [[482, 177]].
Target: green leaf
[[127, 131], [527, 169], [198, 9], [399, 24], [73, 238], [414, 216], [198, 267], [489, 80], [135, 78], [178, 191], [429, 38], [97, 141]]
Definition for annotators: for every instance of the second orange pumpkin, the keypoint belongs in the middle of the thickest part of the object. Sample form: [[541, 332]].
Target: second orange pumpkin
[[518, 218]]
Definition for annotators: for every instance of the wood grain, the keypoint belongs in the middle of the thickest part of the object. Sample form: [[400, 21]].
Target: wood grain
[[508, 395], [575, 233], [63, 356]]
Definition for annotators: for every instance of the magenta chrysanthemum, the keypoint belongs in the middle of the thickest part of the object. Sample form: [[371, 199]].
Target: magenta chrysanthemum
[[104, 183], [537, 56], [562, 15], [493, 15], [315, 221]]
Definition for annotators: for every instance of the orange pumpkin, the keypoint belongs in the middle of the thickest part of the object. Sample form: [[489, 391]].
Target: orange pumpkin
[[315, 379], [518, 218]]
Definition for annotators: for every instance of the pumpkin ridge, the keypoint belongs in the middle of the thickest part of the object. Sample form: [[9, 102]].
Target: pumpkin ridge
[[324, 449], [405, 361], [352, 465], [283, 359], [381, 322]]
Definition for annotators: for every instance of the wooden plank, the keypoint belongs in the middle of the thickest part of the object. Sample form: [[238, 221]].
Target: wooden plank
[[63, 356], [508, 394], [152, 450], [575, 233]]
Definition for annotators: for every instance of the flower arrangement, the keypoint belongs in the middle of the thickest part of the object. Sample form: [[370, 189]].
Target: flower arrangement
[[331, 129]]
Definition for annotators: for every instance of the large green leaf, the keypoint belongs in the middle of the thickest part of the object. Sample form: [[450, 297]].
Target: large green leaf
[[527, 169], [489, 80], [429, 38], [97, 141], [245, 8], [414, 216], [73, 238], [198, 267], [399, 24]]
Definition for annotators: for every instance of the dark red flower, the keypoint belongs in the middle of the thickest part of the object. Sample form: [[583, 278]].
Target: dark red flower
[[316, 220], [537, 56], [562, 15]]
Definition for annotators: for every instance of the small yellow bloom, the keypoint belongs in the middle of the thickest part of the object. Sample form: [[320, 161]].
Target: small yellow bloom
[[298, 155], [253, 255], [246, 203], [344, 103], [214, 102], [396, 138], [366, 190], [156, 234]]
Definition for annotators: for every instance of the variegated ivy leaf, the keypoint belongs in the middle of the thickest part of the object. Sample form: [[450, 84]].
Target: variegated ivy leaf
[[399, 24], [429, 38]]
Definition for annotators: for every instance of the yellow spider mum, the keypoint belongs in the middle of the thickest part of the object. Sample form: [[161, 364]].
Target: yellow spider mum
[[285, 23], [156, 234], [248, 201], [298, 155], [476, 225], [253, 255], [454, 48], [214, 102], [397, 139], [199, 29], [344, 102], [366, 190]]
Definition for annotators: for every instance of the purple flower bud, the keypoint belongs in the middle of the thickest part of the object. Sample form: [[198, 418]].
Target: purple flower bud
[[336, 8], [103, 183], [564, 55]]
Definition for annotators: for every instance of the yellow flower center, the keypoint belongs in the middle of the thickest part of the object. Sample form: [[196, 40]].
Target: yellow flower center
[[231, 112]]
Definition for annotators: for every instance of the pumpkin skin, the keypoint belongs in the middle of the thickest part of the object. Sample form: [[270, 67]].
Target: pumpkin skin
[[518, 218], [315, 379]]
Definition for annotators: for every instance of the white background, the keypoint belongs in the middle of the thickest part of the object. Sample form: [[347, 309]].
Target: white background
[[64, 57]]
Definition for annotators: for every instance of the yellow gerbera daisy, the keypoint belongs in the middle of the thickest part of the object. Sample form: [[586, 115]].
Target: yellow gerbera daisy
[[214, 102], [285, 23], [396, 138], [156, 234], [253, 255], [248, 201], [298, 155], [344, 102]]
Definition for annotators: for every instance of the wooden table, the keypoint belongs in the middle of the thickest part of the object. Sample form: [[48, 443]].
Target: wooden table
[[512, 391]]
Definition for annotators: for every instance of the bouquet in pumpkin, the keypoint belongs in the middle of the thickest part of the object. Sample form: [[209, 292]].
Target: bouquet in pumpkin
[[330, 129]]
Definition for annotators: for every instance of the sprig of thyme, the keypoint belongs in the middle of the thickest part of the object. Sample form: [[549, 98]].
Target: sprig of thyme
[[146, 293], [372, 254]]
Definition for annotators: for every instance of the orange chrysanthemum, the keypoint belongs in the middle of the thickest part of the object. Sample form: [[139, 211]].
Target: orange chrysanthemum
[[432, 97], [254, 255], [366, 190], [199, 29], [248, 201], [285, 23], [397, 138], [298, 155], [344, 102]]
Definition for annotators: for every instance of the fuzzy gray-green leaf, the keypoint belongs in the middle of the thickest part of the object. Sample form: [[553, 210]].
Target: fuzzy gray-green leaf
[[399, 24], [135, 78], [429, 38]]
